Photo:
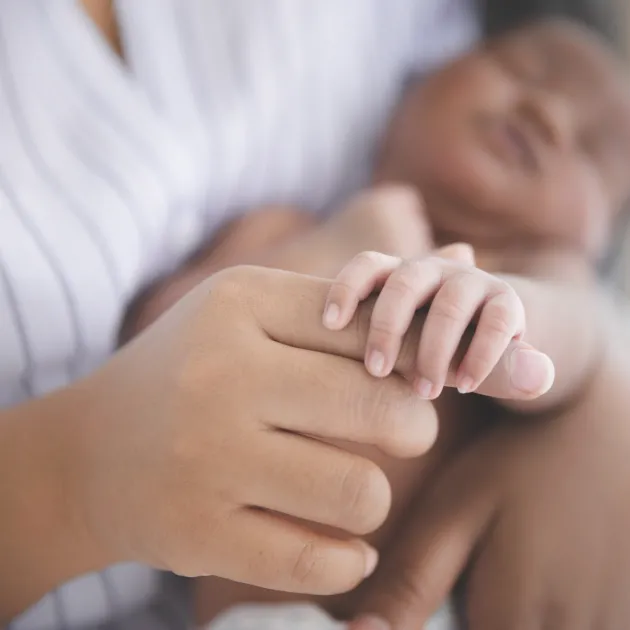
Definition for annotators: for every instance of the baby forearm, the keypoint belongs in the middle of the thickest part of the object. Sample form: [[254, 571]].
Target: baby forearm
[[569, 323]]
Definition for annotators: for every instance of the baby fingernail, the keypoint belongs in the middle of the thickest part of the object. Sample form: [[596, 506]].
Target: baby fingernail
[[376, 363], [331, 315], [425, 388], [466, 385], [531, 372]]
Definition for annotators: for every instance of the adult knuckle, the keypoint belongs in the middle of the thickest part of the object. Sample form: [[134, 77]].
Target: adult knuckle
[[390, 410], [239, 288], [231, 282], [378, 408], [365, 495], [309, 565], [357, 401]]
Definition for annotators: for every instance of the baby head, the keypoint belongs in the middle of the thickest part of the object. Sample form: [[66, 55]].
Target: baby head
[[526, 138]]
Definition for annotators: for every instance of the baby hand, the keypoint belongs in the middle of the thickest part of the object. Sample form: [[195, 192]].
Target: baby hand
[[459, 293]]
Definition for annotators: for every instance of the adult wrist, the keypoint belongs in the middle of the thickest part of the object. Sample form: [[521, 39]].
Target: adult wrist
[[43, 538]]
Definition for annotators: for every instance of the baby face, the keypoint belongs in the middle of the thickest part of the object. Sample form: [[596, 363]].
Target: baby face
[[525, 138]]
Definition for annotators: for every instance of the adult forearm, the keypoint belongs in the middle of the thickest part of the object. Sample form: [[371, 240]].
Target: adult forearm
[[42, 539]]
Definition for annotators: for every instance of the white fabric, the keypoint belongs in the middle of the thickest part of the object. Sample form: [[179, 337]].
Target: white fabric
[[111, 174], [302, 617], [294, 617]]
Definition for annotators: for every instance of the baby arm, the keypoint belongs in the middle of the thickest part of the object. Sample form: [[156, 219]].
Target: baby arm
[[569, 324], [460, 295], [569, 317], [558, 309]]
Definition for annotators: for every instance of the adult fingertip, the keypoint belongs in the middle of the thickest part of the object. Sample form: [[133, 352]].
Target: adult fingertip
[[371, 559]]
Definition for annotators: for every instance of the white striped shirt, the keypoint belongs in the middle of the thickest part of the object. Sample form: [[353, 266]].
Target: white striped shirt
[[111, 173]]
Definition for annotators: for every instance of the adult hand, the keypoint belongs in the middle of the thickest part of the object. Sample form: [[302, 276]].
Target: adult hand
[[540, 509], [199, 449], [187, 451]]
